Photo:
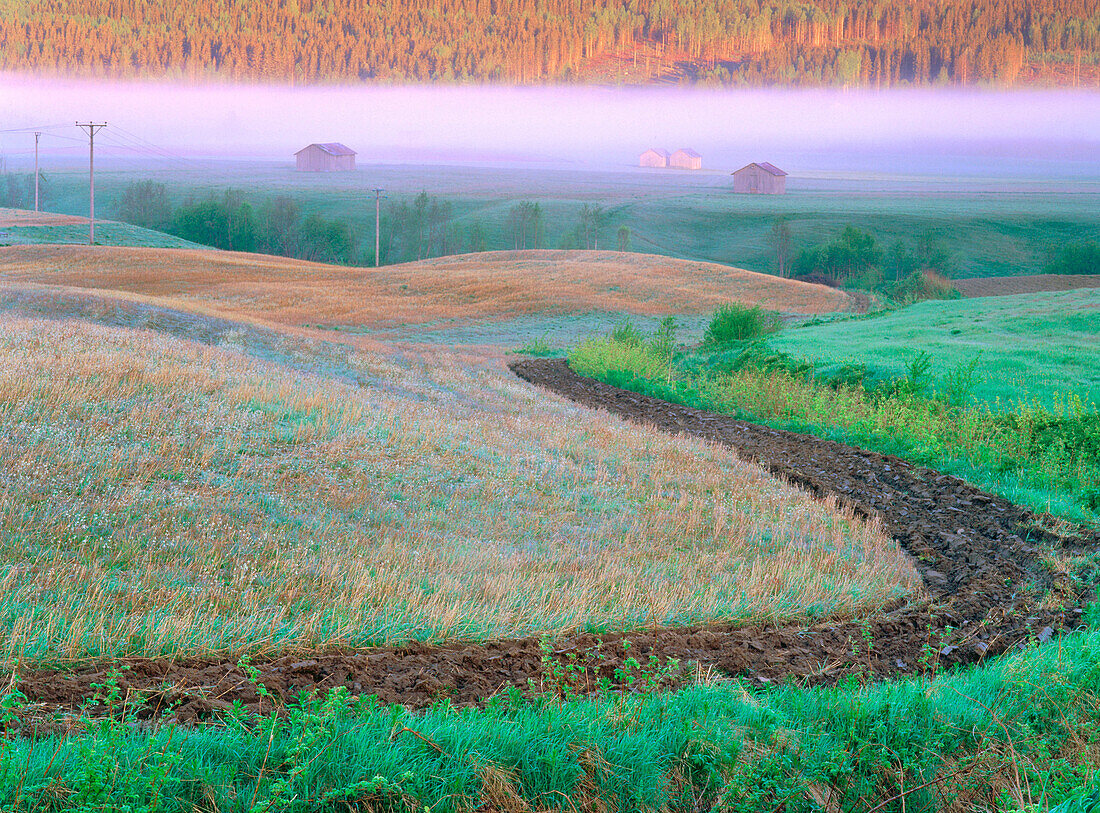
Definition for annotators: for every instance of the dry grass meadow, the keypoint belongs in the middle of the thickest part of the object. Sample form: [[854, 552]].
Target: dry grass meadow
[[166, 496], [494, 285], [24, 217], [162, 496]]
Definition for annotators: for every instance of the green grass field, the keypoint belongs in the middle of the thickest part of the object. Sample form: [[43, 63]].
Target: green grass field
[[1034, 348], [106, 234], [989, 226], [1006, 400]]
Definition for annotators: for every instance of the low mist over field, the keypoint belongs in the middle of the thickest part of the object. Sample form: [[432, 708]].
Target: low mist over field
[[571, 125]]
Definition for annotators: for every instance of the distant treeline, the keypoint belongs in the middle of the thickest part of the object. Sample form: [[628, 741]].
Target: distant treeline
[[739, 42], [414, 229], [17, 190], [228, 221]]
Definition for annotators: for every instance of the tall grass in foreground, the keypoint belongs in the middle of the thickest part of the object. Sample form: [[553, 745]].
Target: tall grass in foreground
[[1014, 735], [1048, 461], [166, 498]]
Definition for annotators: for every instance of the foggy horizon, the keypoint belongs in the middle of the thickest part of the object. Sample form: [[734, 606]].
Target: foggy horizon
[[550, 124]]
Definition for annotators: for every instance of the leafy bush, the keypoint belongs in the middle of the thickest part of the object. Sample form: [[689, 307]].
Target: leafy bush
[[738, 323], [227, 222], [327, 241], [1077, 258], [664, 340]]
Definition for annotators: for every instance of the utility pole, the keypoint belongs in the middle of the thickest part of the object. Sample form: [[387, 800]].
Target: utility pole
[[36, 137], [91, 129], [377, 220]]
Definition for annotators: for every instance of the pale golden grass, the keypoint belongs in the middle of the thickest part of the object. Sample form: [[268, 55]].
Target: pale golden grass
[[493, 285], [164, 497], [29, 217]]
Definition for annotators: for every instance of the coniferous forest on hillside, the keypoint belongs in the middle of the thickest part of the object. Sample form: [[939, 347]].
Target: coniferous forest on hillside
[[880, 43]]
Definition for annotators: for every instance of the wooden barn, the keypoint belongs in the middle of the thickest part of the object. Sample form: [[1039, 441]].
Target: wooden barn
[[653, 158], [685, 158], [760, 179], [331, 157]]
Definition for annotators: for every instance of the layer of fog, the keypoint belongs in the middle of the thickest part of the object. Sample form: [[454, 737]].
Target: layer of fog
[[805, 130]]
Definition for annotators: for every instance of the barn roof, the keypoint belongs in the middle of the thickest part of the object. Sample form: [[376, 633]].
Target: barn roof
[[657, 150], [332, 148], [771, 169], [689, 151]]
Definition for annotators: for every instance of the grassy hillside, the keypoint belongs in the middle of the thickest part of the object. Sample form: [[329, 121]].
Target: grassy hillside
[[501, 299], [1000, 391], [990, 226], [21, 227], [1030, 347], [168, 497]]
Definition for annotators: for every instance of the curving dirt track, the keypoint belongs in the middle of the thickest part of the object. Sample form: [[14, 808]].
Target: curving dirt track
[[981, 557]]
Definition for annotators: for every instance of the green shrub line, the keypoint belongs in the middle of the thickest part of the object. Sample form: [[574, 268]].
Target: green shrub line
[[1018, 734], [1031, 455]]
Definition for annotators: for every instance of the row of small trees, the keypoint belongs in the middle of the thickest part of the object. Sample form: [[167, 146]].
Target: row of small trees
[[228, 221], [414, 229]]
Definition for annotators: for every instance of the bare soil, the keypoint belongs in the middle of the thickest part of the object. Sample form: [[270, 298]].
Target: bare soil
[[983, 561], [1033, 284]]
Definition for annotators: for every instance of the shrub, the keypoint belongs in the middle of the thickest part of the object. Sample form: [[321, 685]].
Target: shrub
[[327, 241], [1077, 258], [626, 333], [664, 340], [736, 323], [17, 191], [227, 222], [920, 286]]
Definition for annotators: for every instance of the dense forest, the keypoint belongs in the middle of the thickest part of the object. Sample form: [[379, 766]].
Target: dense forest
[[738, 42]]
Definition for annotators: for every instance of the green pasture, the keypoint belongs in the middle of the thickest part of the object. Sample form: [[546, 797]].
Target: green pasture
[[1031, 348], [106, 234], [990, 227]]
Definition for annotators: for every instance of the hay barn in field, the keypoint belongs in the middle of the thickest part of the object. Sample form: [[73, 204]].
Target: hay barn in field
[[686, 158], [653, 158], [331, 157], [760, 179]]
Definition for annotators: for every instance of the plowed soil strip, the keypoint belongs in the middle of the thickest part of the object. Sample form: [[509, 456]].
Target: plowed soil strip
[[979, 556]]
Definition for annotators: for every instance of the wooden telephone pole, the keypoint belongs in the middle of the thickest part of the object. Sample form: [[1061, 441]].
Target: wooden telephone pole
[[377, 221], [36, 137], [91, 129]]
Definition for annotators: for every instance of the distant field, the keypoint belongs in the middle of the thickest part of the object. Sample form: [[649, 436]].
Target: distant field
[[431, 296], [22, 227], [1037, 283], [1041, 347], [164, 497], [991, 226]]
